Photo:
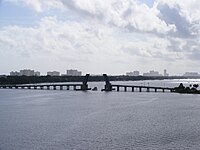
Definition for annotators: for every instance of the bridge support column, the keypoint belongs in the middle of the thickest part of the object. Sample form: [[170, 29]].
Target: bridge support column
[[54, 87], [148, 90], [67, 87], [84, 86], [117, 88], [35, 87], [61, 87], [48, 87], [155, 89], [108, 86], [132, 89], [140, 89], [163, 90], [125, 89], [41, 87], [74, 87]]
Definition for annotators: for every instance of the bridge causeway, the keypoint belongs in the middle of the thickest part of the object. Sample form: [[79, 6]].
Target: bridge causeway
[[140, 88], [76, 87], [112, 87], [84, 87]]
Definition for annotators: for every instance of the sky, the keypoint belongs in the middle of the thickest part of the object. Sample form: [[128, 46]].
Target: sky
[[100, 36]]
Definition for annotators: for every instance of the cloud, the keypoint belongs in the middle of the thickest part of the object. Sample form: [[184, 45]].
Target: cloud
[[186, 27], [130, 15], [40, 5], [100, 33]]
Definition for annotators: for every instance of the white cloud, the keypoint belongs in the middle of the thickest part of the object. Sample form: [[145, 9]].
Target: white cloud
[[121, 32], [40, 5]]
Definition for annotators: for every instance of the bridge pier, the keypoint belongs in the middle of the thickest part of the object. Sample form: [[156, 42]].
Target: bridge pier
[[67, 87], [155, 89], [125, 89], [148, 90], [132, 89], [48, 87], [140, 89], [35, 87], [117, 88], [61, 87], [54, 87], [108, 86], [84, 86], [163, 90]]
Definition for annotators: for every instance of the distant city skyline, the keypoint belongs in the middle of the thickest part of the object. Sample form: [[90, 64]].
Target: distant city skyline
[[100, 36], [75, 72]]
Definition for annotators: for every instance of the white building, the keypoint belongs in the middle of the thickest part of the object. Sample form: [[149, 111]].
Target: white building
[[25, 72], [72, 72], [53, 73], [191, 74], [152, 73], [14, 73], [134, 73]]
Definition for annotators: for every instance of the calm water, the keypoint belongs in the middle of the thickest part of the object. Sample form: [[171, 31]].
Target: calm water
[[36, 119]]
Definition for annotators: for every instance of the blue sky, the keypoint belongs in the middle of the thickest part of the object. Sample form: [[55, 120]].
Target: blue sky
[[98, 36]]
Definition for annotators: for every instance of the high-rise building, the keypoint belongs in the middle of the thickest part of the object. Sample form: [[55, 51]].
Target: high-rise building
[[191, 74], [72, 72], [14, 73], [25, 72], [165, 73], [134, 73], [129, 73], [152, 73]]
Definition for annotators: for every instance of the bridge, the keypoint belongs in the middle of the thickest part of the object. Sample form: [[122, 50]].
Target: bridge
[[76, 87], [111, 87], [84, 86]]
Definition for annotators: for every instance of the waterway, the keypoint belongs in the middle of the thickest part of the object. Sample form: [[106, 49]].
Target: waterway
[[76, 120]]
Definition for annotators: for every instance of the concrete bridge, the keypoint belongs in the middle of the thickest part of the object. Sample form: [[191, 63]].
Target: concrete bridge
[[111, 87], [77, 87], [84, 86]]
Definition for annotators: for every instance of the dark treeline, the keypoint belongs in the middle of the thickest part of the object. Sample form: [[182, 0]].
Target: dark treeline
[[49, 79]]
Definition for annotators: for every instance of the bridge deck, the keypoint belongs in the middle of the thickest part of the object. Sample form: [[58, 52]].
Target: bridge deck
[[42, 86], [133, 87], [137, 86]]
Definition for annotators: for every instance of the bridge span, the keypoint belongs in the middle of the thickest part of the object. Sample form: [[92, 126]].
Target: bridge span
[[52, 86], [112, 87], [84, 86]]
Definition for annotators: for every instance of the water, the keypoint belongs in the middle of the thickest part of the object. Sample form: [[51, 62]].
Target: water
[[75, 120]]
